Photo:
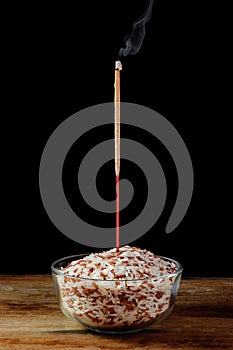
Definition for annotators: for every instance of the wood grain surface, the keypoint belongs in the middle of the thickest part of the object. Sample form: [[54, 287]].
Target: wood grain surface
[[30, 318]]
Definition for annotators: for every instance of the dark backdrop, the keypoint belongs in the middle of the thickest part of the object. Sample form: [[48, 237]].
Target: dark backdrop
[[59, 59]]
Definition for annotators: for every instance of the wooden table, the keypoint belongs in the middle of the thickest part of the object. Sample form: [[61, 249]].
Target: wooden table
[[30, 318]]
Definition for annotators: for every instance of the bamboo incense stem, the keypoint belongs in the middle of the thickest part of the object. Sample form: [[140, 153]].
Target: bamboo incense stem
[[118, 68]]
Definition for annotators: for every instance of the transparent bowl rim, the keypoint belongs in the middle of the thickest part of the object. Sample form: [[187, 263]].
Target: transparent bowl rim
[[59, 272]]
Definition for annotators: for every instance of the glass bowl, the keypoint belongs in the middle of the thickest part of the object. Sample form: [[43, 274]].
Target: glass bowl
[[115, 306]]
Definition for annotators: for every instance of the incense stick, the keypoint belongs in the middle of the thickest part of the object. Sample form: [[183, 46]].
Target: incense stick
[[118, 68]]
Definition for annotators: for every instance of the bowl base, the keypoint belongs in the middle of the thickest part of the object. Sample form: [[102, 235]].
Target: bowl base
[[116, 330]]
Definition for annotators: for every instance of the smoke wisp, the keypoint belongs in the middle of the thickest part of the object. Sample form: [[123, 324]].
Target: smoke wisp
[[133, 41]]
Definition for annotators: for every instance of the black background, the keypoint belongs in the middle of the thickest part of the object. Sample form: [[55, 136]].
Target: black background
[[58, 59]]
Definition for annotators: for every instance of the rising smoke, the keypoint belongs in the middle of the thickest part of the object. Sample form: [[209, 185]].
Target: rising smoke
[[133, 42]]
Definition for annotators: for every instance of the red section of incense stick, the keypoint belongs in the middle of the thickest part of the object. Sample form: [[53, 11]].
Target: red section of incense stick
[[117, 213]]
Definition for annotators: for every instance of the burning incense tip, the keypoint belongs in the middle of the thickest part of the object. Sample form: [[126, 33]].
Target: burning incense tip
[[118, 65]]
